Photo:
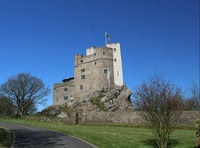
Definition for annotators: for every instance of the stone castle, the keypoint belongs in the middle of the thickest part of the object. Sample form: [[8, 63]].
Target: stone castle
[[99, 70]]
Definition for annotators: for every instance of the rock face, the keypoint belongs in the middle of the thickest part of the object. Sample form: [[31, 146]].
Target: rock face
[[57, 111], [62, 115], [115, 99]]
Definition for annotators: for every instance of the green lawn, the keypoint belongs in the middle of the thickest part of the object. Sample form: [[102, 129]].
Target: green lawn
[[5, 138], [116, 136]]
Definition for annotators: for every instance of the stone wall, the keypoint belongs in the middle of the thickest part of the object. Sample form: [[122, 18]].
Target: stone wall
[[187, 117], [69, 115]]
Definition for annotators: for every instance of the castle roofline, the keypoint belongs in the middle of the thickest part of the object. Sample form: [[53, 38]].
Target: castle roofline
[[100, 47], [67, 79]]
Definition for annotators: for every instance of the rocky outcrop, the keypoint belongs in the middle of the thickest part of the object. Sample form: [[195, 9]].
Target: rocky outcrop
[[114, 99], [62, 115], [56, 110]]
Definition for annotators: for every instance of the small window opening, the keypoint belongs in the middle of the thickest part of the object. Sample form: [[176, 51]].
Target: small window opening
[[82, 76], [81, 87], [65, 97]]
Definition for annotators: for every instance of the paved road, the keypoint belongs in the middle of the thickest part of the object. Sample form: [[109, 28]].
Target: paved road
[[32, 137]]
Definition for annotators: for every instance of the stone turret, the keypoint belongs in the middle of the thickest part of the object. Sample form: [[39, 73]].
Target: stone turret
[[117, 63]]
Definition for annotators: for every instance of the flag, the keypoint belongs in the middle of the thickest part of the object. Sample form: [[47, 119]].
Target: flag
[[107, 35], [107, 38]]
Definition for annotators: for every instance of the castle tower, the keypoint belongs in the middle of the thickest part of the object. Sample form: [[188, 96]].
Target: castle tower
[[93, 72], [117, 63], [100, 69]]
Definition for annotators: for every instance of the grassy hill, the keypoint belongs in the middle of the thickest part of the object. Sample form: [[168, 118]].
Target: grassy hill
[[110, 136]]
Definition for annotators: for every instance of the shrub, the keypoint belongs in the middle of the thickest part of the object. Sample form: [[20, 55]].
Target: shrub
[[97, 101], [198, 132]]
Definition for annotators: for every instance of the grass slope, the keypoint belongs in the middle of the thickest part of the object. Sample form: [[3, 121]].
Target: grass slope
[[116, 136]]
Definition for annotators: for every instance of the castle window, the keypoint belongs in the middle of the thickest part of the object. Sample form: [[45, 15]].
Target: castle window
[[65, 89], [95, 63], [83, 70], [81, 86], [81, 61], [115, 60], [94, 54], [65, 97], [114, 49], [57, 99], [103, 53], [82, 76], [105, 71]]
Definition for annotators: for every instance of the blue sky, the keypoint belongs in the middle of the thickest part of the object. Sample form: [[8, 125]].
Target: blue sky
[[157, 37]]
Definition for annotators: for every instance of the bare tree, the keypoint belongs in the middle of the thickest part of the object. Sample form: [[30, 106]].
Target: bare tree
[[6, 106], [25, 91], [195, 96], [160, 102], [189, 104]]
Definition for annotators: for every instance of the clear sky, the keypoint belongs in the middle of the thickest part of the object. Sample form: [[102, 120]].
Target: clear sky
[[157, 37]]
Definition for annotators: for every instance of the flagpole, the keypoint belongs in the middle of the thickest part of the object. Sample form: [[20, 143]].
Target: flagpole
[[106, 41]]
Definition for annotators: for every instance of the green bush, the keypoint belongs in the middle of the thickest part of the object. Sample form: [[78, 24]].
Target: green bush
[[198, 132], [5, 138], [97, 101]]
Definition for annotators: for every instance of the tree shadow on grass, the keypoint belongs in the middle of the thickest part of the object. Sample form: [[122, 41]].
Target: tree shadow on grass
[[152, 142]]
